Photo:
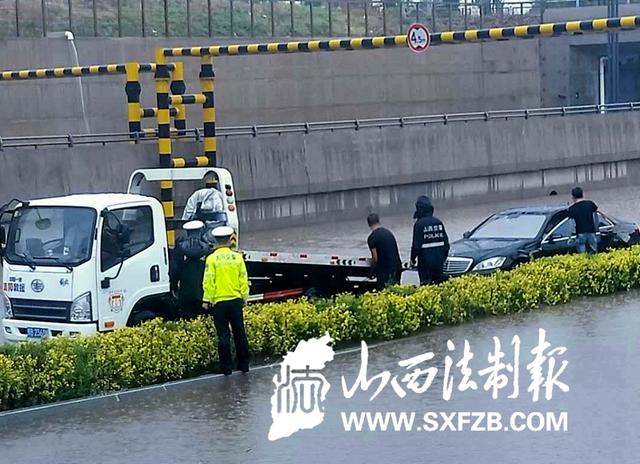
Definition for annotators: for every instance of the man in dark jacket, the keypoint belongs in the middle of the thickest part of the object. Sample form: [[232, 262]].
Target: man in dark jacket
[[430, 245], [583, 213], [385, 257], [190, 255]]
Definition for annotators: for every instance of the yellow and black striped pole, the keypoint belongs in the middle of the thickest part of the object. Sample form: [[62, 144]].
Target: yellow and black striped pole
[[178, 87], [74, 71], [163, 78], [497, 33], [207, 83], [133, 89]]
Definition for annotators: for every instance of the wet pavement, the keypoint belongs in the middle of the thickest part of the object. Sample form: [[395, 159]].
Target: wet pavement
[[226, 420], [350, 237]]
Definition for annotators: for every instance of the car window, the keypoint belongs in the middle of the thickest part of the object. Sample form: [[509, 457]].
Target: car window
[[139, 222], [566, 229], [511, 226]]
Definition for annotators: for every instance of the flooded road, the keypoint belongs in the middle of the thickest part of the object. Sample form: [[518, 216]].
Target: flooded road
[[350, 237], [226, 420]]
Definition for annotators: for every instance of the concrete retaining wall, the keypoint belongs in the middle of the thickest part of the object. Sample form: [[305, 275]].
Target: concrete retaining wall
[[271, 88], [295, 178]]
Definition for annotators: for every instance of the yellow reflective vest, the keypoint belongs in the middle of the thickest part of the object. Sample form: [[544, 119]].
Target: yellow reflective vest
[[225, 276]]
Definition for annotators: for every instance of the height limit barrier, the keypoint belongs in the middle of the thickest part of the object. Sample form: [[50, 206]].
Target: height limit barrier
[[207, 75]]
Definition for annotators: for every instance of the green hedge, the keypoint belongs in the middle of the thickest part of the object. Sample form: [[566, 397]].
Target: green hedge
[[64, 368]]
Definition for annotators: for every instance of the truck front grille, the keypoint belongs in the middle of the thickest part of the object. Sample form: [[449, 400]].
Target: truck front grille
[[40, 310]]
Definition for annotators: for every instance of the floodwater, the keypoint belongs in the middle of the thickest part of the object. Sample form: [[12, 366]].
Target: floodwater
[[227, 420], [350, 237]]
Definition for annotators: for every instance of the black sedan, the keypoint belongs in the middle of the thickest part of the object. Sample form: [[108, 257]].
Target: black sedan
[[514, 236]]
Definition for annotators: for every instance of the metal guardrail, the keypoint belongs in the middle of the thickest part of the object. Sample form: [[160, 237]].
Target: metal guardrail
[[263, 18], [194, 134]]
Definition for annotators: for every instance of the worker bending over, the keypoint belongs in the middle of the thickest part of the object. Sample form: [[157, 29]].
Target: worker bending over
[[226, 289], [385, 257]]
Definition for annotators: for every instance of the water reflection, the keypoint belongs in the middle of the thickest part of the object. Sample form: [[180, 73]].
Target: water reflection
[[226, 420]]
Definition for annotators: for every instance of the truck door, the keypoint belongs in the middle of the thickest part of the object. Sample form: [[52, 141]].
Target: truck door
[[132, 263]]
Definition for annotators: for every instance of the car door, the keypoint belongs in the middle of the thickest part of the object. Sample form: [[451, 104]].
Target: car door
[[605, 232], [561, 239]]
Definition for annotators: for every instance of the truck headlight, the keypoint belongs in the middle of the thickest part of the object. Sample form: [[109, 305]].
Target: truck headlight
[[491, 263], [5, 306], [81, 308]]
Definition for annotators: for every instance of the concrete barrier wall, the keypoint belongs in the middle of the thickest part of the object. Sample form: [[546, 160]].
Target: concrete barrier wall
[[295, 178], [271, 88]]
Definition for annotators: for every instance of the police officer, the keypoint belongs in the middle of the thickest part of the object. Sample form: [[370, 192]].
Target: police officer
[[430, 245], [226, 289], [189, 256]]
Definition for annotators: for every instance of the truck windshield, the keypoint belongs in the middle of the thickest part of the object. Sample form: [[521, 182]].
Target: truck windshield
[[51, 236]]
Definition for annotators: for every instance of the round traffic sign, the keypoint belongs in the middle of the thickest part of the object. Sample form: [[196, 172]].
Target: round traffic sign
[[418, 37]]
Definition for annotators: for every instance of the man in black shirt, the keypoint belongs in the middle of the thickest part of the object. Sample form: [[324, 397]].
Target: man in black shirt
[[385, 257], [583, 213], [430, 245]]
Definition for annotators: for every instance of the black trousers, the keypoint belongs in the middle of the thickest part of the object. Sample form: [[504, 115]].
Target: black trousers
[[387, 278], [225, 314], [430, 275], [190, 309]]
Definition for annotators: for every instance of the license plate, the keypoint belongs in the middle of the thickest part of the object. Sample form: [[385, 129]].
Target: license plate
[[37, 332]]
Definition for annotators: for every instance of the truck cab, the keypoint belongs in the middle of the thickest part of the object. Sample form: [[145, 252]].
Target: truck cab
[[81, 264]]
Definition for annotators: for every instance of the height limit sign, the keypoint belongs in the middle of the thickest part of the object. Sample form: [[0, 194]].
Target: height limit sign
[[418, 37]]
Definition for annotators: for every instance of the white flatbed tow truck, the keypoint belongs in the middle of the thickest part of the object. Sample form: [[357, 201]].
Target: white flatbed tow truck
[[82, 264]]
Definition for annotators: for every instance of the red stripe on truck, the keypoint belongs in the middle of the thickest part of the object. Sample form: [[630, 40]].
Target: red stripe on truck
[[282, 294]]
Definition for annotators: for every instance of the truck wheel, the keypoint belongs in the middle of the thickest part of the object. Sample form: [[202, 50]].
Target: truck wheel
[[141, 316]]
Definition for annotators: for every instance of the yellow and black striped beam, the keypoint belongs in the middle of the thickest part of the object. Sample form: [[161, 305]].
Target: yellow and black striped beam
[[178, 87], [497, 33], [188, 99], [197, 162], [154, 132], [153, 112], [75, 71], [207, 84]]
